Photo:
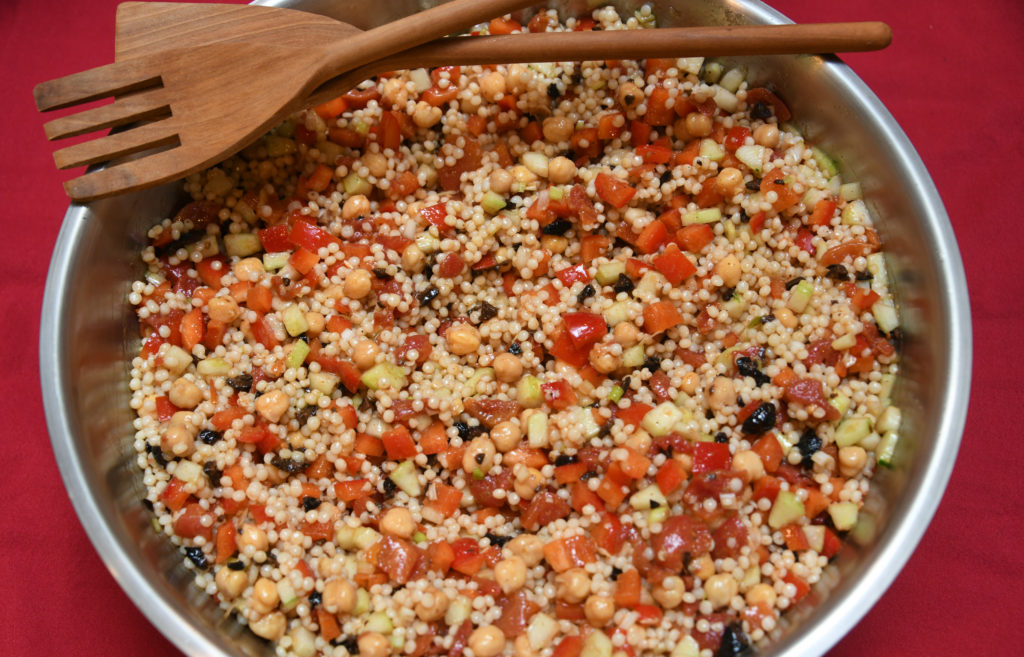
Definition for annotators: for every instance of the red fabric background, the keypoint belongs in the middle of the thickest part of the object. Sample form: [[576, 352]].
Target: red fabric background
[[952, 79]]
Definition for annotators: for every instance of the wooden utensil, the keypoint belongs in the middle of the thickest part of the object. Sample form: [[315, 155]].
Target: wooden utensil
[[219, 97], [142, 28]]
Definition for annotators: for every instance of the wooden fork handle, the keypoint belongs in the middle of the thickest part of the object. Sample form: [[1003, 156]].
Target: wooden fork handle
[[623, 44]]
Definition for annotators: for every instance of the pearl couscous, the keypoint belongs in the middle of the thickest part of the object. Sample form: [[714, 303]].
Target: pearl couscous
[[554, 359]]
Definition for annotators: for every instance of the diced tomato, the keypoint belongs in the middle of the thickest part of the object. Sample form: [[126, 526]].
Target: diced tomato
[[736, 137], [349, 374], [670, 476], [573, 552], [775, 181], [805, 240], [767, 487], [543, 509], [174, 496], [446, 499], [627, 589], [351, 489], [660, 316], [398, 444], [303, 261], [585, 144], [634, 414], [649, 615], [695, 237], [569, 646], [862, 299], [769, 450], [654, 154], [211, 270], [766, 97], [613, 191], [610, 125], [435, 216], [802, 588], [823, 212], [640, 133], [164, 408], [263, 334], [566, 351], [757, 222], [222, 420], [795, 538], [708, 456], [504, 26], [730, 538], [467, 558], [390, 136], [689, 153], [574, 274], [189, 524], [450, 177], [673, 265], [584, 328], [680, 535], [832, 543], [635, 464], [559, 395], [658, 111], [810, 391], [450, 265]]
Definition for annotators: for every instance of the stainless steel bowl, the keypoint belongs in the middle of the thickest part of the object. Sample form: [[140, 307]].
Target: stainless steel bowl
[[89, 334]]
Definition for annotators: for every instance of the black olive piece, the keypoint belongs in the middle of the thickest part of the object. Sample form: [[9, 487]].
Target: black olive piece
[[793, 282], [557, 227], [566, 459], [615, 573], [624, 284], [655, 504], [808, 444], [589, 474], [315, 598], [157, 454], [304, 337], [304, 415], [577, 76], [196, 556], [146, 503], [486, 312], [427, 295], [767, 318], [286, 281], [497, 540], [747, 367], [236, 565], [761, 420], [390, 487], [896, 337], [515, 349], [241, 383], [760, 111], [381, 273], [310, 503], [837, 273], [720, 437], [779, 181], [734, 642], [653, 363], [709, 414], [349, 643], [665, 177], [726, 292], [288, 465], [463, 429], [479, 458], [554, 91], [744, 217], [625, 383], [605, 430], [212, 473], [209, 436], [587, 292], [754, 185], [863, 275]]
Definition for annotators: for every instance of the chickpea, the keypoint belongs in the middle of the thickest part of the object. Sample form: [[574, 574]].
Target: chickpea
[[365, 353], [554, 243], [264, 596], [528, 482], [604, 359], [729, 269], [339, 596], [527, 547], [231, 583], [462, 339], [272, 405], [640, 441], [522, 175], [487, 641], [557, 129], [377, 163], [669, 592], [248, 269], [573, 585], [358, 284], [728, 181], [178, 440], [355, 207], [271, 626], [698, 125], [253, 537], [749, 463], [522, 646], [479, 455], [508, 368], [315, 323], [767, 135], [761, 594], [702, 567], [506, 436], [412, 258], [223, 309], [397, 521], [626, 334], [426, 115], [492, 86], [723, 393], [561, 170], [852, 460], [630, 95], [501, 181], [373, 644], [720, 589], [599, 610], [786, 317], [510, 574], [690, 383], [185, 394], [432, 605]]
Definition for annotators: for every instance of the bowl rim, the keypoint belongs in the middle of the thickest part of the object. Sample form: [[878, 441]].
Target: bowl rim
[[894, 548]]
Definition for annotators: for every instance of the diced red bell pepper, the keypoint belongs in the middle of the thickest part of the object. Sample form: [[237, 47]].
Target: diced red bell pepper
[[613, 191], [775, 181], [435, 215], [446, 499], [628, 589], [651, 237], [559, 395], [585, 144], [564, 350], [450, 265], [695, 237], [670, 476], [468, 559], [165, 409], [303, 261], [635, 465], [189, 524], [192, 329], [607, 128], [504, 26], [639, 133], [675, 266], [174, 496], [769, 450], [634, 414], [658, 111], [661, 316], [311, 237], [398, 444], [824, 209], [263, 334], [211, 270], [585, 328], [736, 137], [654, 154], [574, 274], [351, 489]]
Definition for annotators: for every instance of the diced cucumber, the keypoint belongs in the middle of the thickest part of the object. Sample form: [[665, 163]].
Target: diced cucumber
[[690, 65], [888, 381], [492, 203], [541, 630], [537, 430], [296, 355], [585, 422], [815, 536], [833, 186], [725, 358], [710, 150], [294, 320], [870, 441], [406, 477], [206, 247], [528, 392], [277, 146], [362, 603], [479, 375], [617, 313], [856, 214], [705, 216], [812, 196], [241, 245], [885, 315], [648, 498], [329, 152], [753, 156], [733, 78], [713, 72], [851, 430], [608, 273], [850, 191], [325, 382], [726, 99], [286, 592], [800, 296], [886, 448], [427, 242], [844, 515], [841, 403], [303, 641], [209, 367], [658, 515], [384, 375], [736, 306], [889, 420], [397, 642], [634, 356], [380, 622], [825, 163], [597, 644], [687, 646], [354, 184], [844, 342], [661, 420], [274, 261], [458, 611], [189, 472], [786, 509], [364, 537]]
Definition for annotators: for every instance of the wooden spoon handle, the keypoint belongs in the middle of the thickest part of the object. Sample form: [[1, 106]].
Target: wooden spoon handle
[[623, 44]]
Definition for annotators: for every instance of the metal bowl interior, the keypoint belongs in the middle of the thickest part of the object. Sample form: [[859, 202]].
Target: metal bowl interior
[[89, 336]]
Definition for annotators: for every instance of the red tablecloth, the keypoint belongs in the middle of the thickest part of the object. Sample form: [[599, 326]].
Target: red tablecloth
[[952, 78]]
